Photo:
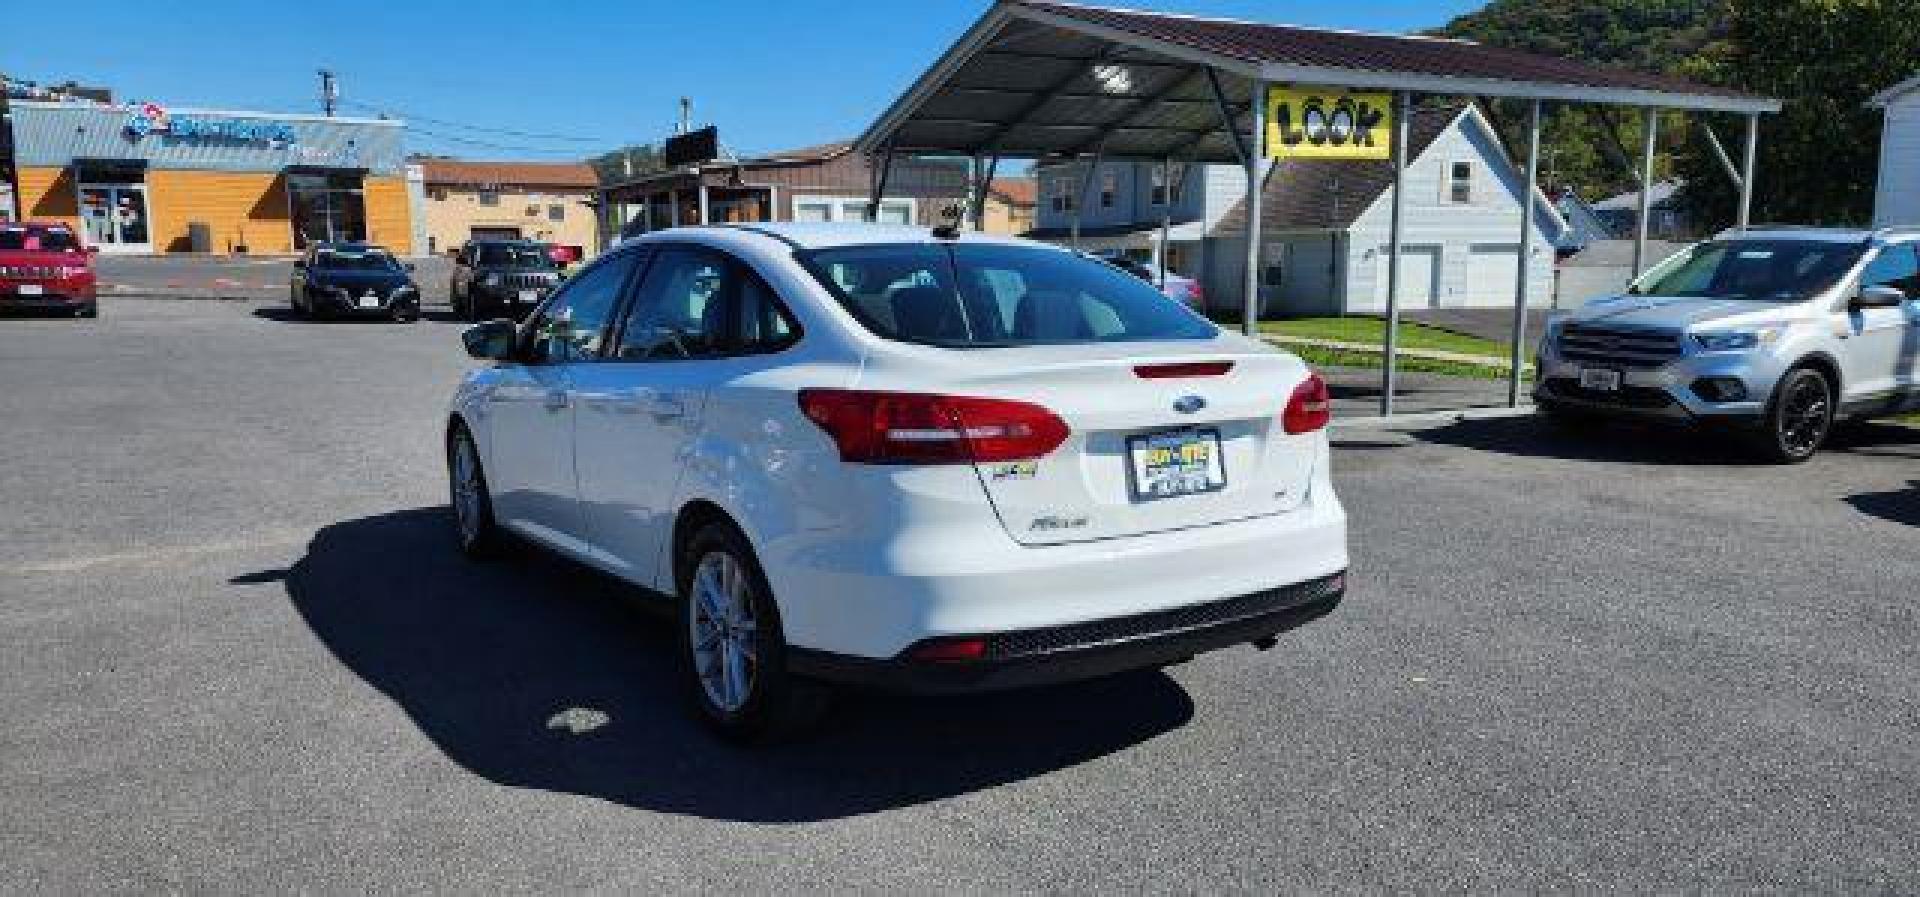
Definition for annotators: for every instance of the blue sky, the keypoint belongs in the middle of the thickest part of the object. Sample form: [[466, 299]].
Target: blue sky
[[772, 75]]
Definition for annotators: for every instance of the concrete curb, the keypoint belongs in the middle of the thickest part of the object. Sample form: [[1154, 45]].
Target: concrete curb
[[1429, 418], [1486, 361]]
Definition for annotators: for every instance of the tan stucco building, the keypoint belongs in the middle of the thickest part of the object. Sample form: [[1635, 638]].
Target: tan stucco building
[[552, 203]]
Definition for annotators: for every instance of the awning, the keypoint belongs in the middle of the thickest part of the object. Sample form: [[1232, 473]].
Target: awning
[[1035, 78]]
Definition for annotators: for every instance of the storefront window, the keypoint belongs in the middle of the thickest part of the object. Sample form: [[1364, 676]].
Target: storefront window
[[113, 210], [326, 208]]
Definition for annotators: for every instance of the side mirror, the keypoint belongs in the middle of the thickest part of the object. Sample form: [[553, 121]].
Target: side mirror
[[1878, 297], [491, 341]]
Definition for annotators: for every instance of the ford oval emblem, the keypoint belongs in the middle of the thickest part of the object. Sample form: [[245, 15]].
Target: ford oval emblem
[[1189, 404]]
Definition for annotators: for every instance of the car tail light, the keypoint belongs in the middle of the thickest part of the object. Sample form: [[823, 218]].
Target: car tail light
[[1310, 407], [918, 428], [1181, 369], [949, 650]]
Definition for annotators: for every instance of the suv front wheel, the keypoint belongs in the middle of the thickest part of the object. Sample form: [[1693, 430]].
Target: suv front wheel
[[1798, 419]]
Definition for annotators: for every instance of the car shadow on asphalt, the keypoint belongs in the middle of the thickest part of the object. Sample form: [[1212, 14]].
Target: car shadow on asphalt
[[1900, 506], [286, 315], [1629, 443], [536, 673]]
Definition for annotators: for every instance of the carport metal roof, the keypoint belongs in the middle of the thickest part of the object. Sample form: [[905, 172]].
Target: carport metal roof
[[1040, 78]]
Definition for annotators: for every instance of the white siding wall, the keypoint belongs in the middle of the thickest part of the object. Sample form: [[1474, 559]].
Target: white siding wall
[[1493, 217], [1897, 198]]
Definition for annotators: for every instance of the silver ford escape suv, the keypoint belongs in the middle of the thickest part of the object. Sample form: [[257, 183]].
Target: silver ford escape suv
[[1777, 333]]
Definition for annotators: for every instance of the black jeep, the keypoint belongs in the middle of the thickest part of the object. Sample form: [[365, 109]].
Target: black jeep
[[501, 278]]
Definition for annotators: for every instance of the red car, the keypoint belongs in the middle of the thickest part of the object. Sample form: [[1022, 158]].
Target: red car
[[44, 267]]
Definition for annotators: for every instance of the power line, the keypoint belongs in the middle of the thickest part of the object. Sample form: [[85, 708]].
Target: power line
[[509, 132]]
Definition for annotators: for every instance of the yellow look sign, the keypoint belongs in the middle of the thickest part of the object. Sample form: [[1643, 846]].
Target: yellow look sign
[[1328, 123]]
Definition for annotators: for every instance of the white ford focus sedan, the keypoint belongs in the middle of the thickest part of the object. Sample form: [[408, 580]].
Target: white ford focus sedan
[[912, 459]]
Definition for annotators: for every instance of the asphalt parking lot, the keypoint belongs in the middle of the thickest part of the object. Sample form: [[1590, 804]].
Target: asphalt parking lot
[[240, 653]]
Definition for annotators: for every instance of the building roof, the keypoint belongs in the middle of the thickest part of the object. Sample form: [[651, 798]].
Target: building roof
[[1321, 194], [1661, 194], [515, 174], [1016, 191], [824, 152], [1045, 78], [1887, 97]]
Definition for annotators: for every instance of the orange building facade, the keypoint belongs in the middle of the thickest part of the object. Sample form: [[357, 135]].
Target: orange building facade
[[146, 179]]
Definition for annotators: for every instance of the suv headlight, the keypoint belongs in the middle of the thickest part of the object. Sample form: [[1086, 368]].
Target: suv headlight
[[1736, 340]]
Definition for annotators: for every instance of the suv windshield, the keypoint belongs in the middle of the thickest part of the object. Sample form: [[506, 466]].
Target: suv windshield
[[979, 296], [341, 260], [509, 255], [1756, 270], [45, 239]]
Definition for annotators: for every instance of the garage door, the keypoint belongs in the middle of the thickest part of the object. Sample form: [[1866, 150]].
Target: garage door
[[1491, 270], [1419, 276]]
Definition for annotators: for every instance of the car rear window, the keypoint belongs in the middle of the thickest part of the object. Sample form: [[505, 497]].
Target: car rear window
[[980, 296], [48, 239]]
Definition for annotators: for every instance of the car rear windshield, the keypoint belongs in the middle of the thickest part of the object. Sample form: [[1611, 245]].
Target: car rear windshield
[[46, 239], [340, 260], [968, 296], [1756, 270], [503, 255]]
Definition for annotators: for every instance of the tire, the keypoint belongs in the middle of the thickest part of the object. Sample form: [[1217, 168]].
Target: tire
[[732, 650], [477, 533], [1799, 418]]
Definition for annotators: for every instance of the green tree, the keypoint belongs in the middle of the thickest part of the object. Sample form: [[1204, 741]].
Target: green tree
[[1818, 158], [628, 161], [1579, 147]]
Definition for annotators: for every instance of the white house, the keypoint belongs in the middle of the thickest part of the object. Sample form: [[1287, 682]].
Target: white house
[[1896, 200], [1324, 225]]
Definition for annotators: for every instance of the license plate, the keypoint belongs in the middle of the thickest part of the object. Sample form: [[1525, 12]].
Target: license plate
[[369, 302], [529, 296], [1599, 379], [31, 289], [1177, 462]]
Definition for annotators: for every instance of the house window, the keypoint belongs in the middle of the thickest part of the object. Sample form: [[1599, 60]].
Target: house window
[[1158, 195], [489, 197], [556, 213], [1460, 182], [1109, 189], [812, 211], [437, 194], [1061, 189]]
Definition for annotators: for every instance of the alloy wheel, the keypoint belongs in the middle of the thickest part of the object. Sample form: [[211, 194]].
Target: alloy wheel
[[723, 631], [1805, 414], [466, 489]]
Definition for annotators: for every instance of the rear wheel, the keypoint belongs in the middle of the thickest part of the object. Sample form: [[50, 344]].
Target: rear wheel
[[733, 651], [1799, 418], [479, 535]]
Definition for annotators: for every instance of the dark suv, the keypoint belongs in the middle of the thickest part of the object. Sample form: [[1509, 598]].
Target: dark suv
[[501, 278]]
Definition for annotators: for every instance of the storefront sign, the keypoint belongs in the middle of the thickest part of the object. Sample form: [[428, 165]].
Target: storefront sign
[[1327, 123], [152, 118]]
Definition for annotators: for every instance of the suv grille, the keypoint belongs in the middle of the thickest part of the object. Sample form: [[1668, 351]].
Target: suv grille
[[1618, 347], [527, 281], [1179, 619]]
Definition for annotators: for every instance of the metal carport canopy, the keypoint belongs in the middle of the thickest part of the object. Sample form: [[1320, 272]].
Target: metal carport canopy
[[1045, 79], [1036, 78]]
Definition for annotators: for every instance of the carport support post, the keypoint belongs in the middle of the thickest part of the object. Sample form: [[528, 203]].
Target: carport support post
[[1402, 125], [1255, 158], [1166, 219], [1527, 211], [1747, 169], [1650, 124]]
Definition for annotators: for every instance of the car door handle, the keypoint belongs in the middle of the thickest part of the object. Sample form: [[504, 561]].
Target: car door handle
[[665, 405], [556, 400]]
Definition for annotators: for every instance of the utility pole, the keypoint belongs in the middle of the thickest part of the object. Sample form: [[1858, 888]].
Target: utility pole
[[329, 92], [686, 115]]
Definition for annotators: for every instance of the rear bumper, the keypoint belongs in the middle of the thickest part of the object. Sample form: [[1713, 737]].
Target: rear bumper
[[50, 301], [1086, 651]]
